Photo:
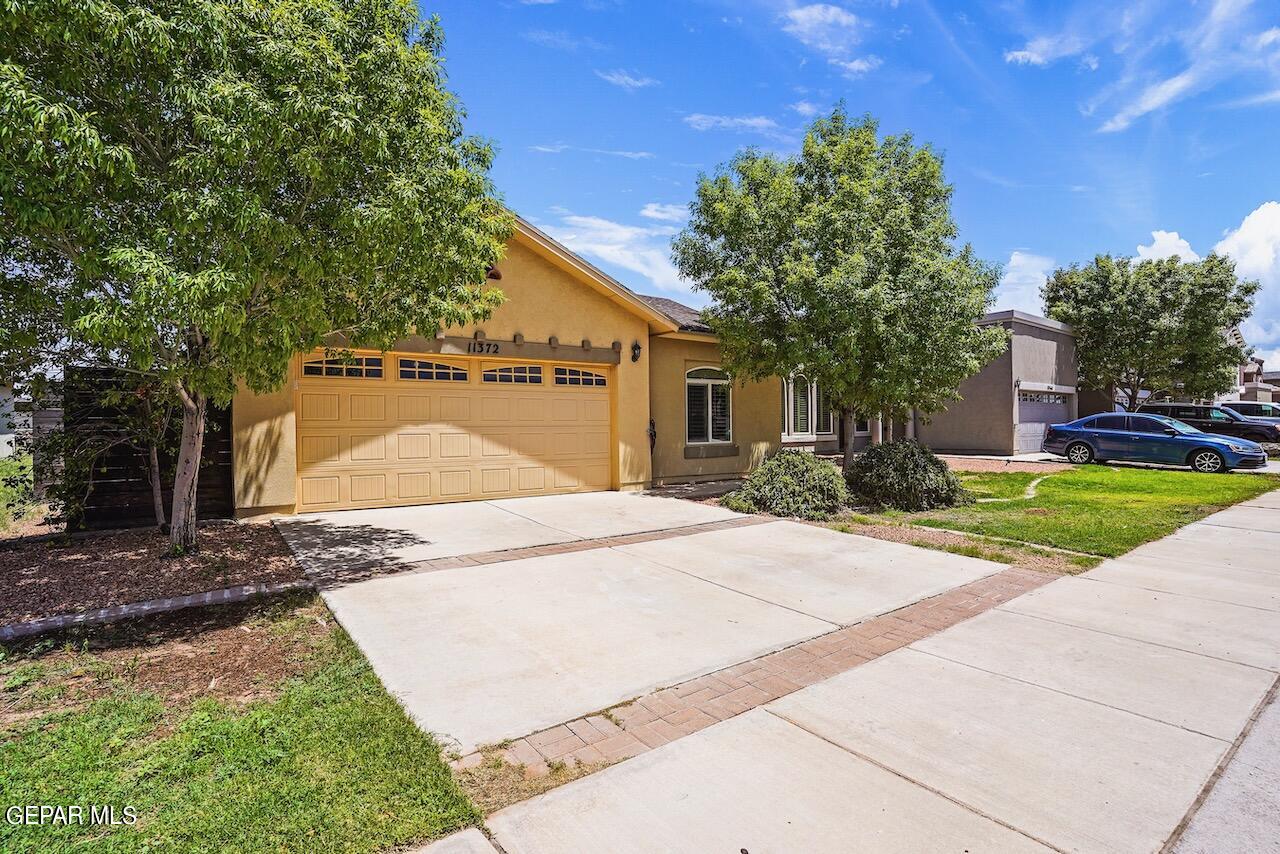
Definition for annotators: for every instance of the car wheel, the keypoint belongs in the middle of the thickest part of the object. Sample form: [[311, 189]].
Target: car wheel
[[1080, 453], [1206, 461]]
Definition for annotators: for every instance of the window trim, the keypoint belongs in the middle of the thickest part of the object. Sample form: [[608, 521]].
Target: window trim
[[532, 374], [788, 414], [708, 383], [416, 363], [357, 361], [598, 378]]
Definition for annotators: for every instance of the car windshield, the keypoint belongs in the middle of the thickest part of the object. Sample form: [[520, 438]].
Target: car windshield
[[1175, 424]]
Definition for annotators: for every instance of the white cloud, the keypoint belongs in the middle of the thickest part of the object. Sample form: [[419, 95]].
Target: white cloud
[[1043, 50], [804, 108], [823, 27], [859, 66], [644, 250], [1255, 247], [561, 40], [1090, 62], [560, 147], [748, 124], [626, 80], [1019, 287], [1167, 244], [664, 212], [537, 2], [1156, 96]]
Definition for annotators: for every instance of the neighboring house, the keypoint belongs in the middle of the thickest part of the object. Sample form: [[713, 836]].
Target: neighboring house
[[575, 384], [1007, 406], [1252, 382], [14, 421]]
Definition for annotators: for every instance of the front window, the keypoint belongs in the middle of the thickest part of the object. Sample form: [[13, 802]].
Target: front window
[[1220, 415], [806, 411], [708, 406]]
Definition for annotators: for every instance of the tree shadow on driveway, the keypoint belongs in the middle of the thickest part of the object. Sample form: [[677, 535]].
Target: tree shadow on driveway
[[336, 555]]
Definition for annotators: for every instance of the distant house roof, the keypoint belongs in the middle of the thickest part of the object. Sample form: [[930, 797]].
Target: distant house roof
[[689, 319], [1011, 316]]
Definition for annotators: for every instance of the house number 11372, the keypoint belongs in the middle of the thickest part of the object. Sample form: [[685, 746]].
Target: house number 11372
[[483, 347]]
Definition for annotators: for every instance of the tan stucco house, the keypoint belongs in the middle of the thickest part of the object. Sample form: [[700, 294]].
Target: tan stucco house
[[574, 384], [578, 384]]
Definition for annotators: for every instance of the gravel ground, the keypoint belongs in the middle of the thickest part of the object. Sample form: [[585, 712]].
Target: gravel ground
[[959, 463]]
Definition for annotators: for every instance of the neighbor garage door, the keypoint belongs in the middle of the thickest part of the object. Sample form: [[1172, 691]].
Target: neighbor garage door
[[413, 429], [1036, 411]]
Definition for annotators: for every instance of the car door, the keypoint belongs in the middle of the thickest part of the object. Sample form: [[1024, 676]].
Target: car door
[[1152, 442], [1220, 421], [1111, 436]]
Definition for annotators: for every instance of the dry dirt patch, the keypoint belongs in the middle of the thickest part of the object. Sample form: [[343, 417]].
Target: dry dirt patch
[[236, 654], [63, 575]]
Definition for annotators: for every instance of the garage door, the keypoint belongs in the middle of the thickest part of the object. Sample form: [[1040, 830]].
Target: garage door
[[1036, 411], [412, 429]]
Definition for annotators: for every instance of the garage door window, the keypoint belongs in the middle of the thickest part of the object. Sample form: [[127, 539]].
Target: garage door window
[[419, 369], [577, 376], [708, 406], [519, 374], [360, 367], [1041, 397]]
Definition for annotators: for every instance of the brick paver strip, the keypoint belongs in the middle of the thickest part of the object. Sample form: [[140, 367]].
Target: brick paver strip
[[655, 719]]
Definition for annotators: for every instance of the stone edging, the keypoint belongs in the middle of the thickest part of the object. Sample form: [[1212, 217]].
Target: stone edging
[[222, 596]]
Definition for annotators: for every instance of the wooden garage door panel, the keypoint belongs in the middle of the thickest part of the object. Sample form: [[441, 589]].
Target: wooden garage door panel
[[387, 441]]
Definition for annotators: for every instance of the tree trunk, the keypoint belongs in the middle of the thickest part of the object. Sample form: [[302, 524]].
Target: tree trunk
[[877, 431], [182, 531], [157, 489], [848, 421]]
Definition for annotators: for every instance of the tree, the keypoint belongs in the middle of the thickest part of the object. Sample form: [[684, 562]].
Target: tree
[[840, 263], [230, 181], [1155, 326]]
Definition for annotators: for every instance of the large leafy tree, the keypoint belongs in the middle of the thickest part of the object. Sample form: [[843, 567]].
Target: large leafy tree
[[1155, 326], [219, 184], [841, 262]]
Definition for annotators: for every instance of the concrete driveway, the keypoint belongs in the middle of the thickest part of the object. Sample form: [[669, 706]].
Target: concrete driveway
[[347, 540], [482, 653], [1088, 715]]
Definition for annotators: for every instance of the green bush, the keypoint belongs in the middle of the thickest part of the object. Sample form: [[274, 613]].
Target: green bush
[[905, 475], [793, 483]]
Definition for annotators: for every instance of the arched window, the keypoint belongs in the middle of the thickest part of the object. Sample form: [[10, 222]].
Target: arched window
[[708, 406]]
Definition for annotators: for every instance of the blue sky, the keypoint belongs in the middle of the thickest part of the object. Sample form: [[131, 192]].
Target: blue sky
[[1068, 128]]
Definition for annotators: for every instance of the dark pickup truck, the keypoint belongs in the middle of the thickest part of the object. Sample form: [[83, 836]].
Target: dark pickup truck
[[1216, 419]]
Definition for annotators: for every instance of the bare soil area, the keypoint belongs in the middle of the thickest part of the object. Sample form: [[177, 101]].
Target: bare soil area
[[962, 463], [41, 578], [236, 654]]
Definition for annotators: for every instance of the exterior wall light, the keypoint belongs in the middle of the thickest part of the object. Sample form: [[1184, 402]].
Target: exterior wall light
[[635, 351]]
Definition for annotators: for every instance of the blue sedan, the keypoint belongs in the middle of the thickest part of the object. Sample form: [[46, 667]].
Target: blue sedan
[[1150, 439]]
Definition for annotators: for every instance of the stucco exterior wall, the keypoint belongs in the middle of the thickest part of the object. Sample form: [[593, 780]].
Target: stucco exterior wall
[[983, 419], [756, 414], [264, 450], [543, 301], [1043, 356]]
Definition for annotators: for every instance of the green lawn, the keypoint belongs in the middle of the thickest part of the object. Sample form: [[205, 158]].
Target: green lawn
[[329, 763], [1095, 509], [15, 488]]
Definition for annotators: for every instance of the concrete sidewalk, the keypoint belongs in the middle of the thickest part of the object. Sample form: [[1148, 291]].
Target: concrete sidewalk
[[1088, 715]]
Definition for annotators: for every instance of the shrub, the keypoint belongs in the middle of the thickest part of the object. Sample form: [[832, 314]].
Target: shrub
[[792, 483], [905, 475]]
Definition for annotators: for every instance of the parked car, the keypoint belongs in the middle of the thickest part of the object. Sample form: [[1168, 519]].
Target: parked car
[[1149, 438], [1255, 409], [1216, 419]]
